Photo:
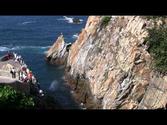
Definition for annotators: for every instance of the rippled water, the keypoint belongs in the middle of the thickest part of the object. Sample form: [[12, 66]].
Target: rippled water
[[31, 36]]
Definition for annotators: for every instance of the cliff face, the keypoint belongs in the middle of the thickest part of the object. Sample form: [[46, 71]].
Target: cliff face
[[58, 52], [110, 66]]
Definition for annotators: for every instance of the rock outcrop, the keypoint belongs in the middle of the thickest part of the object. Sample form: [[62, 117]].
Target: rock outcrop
[[19, 83], [109, 66], [58, 52]]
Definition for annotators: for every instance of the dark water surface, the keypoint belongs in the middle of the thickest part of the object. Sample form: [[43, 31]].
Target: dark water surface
[[31, 36]]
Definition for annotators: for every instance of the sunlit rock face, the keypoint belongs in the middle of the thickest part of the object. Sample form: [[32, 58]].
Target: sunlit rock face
[[58, 52], [109, 66]]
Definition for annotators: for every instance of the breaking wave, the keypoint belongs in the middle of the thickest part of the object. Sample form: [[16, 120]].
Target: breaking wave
[[75, 36], [69, 19], [4, 48], [27, 22], [54, 86]]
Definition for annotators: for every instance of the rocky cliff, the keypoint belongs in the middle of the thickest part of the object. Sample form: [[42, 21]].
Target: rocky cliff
[[58, 52], [108, 66]]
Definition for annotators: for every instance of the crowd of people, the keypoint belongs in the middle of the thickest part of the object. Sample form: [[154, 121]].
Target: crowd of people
[[25, 75]]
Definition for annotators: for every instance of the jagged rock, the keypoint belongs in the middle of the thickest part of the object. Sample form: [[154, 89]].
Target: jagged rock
[[76, 20], [116, 69], [58, 52]]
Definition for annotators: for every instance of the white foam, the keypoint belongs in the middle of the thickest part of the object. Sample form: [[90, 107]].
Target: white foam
[[54, 85], [69, 19], [4, 48], [44, 47], [75, 36], [81, 20], [27, 22]]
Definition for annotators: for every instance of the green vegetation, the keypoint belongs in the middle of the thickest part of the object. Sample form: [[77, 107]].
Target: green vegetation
[[10, 98], [157, 40], [105, 21], [153, 17]]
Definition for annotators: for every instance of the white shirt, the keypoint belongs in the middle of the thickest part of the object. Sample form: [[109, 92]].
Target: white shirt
[[13, 70], [24, 76]]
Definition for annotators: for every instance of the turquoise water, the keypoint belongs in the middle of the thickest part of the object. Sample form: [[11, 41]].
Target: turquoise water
[[31, 36]]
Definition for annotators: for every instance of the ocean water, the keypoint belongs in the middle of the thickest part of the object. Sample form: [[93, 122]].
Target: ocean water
[[31, 36]]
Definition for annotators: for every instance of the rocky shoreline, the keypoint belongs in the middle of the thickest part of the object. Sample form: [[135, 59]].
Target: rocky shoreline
[[57, 55], [81, 91], [108, 66]]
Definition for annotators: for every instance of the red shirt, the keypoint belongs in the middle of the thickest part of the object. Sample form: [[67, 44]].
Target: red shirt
[[30, 75]]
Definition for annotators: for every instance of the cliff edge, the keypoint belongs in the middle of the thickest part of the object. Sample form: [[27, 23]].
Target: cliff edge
[[108, 66]]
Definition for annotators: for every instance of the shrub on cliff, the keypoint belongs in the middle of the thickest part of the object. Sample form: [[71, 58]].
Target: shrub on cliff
[[10, 98], [105, 20], [157, 40], [154, 17]]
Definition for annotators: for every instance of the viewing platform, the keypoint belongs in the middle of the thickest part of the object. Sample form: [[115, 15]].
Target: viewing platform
[[14, 72]]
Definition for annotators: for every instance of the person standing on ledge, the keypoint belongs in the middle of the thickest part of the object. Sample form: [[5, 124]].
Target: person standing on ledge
[[13, 72]]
